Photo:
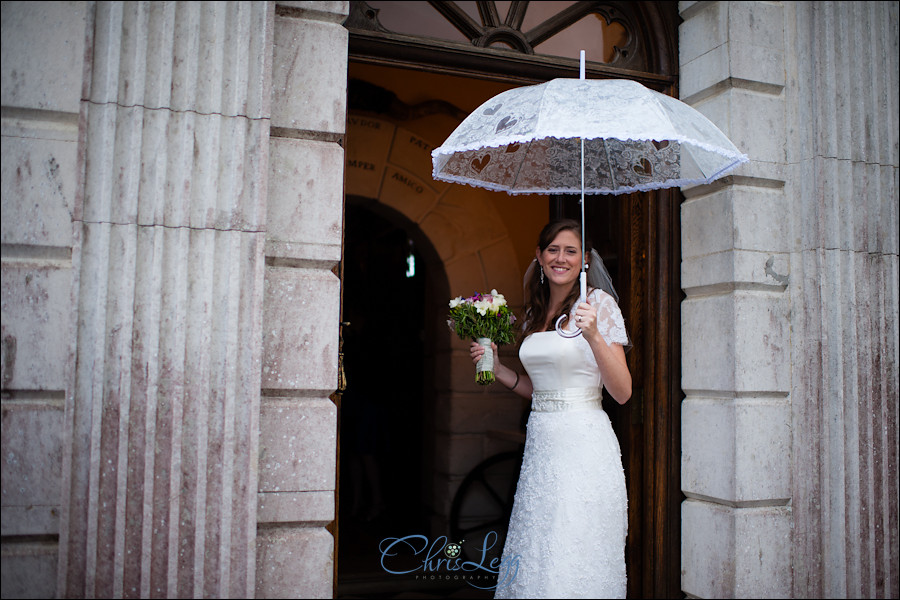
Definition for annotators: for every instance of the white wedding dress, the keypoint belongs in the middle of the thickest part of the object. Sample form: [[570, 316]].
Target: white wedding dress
[[569, 519]]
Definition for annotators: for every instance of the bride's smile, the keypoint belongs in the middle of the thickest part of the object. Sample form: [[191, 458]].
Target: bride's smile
[[561, 260]]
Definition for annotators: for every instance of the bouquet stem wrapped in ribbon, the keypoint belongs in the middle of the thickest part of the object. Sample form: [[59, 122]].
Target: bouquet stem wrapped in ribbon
[[484, 318]]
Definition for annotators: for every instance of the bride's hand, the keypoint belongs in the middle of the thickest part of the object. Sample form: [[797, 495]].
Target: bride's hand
[[476, 351], [586, 318]]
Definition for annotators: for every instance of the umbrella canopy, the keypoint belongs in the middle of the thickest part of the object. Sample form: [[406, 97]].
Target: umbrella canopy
[[528, 140]]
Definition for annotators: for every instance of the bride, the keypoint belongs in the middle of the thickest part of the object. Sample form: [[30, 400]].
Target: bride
[[569, 518]]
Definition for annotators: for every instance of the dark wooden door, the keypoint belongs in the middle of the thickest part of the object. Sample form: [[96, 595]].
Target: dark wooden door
[[638, 237]]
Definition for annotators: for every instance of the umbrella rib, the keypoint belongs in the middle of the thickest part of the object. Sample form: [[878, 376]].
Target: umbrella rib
[[521, 162], [612, 177]]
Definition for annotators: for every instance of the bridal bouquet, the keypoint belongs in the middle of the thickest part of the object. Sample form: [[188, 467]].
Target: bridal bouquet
[[484, 318]]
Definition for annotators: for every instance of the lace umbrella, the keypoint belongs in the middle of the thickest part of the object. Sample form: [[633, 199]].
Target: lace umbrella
[[593, 136]]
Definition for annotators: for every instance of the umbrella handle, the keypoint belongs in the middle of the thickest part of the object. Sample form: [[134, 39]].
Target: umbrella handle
[[563, 332]]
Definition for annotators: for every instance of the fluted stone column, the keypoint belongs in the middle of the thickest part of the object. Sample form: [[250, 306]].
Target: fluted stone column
[[843, 181], [160, 463]]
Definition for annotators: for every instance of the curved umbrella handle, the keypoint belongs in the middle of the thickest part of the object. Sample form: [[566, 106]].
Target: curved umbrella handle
[[565, 333]]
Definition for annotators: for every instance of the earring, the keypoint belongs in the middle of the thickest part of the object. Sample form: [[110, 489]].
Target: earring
[[542, 274]]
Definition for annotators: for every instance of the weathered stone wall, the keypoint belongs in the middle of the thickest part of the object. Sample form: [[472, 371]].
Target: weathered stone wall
[[43, 55], [789, 443], [298, 421], [162, 403], [842, 172]]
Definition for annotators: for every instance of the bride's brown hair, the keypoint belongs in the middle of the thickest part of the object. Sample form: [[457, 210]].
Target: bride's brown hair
[[537, 295]]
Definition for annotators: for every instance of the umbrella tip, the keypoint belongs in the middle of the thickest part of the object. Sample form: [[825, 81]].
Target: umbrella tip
[[581, 72]]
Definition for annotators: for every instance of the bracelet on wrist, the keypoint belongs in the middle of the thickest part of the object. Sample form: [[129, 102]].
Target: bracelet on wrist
[[516, 383]]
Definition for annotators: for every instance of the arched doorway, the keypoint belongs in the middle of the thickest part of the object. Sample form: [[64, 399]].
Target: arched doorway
[[388, 283], [640, 233]]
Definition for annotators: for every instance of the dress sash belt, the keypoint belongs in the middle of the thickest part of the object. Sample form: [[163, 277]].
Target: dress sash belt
[[567, 399]]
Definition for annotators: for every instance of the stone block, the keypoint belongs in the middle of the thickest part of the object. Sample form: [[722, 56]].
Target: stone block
[[43, 55], [367, 143], [297, 438], [36, 301], [708, 344], [38, 182], [465, 275], [707, 549], [757, 66], [408, 193], [707, 224], [502, 271], [294, 562], [461, 223], [763, 552], [479, 413], [704, 29], [29, 569], [295, 507], [762, 342], [753, 121], [735, 552], [300, 330], [760, 219], [723, 271], [310, 59], [736, 450], [757, 23], [305, 200], [735, 217], [738, 342], [705, 71], [32, 468], [409, 151], [335, 9]]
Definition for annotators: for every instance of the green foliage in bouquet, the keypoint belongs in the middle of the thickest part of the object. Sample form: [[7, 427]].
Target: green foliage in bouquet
[[482, 316]]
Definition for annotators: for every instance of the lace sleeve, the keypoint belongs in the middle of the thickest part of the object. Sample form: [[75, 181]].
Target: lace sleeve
[[609, 318]]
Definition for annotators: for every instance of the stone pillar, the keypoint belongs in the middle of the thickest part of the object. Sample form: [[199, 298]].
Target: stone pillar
[[43, 55], [736, 417], [298, 420], [162, 403], [842, 158]]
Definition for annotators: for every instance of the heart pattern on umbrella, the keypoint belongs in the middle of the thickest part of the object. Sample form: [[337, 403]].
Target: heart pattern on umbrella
[[643, 168], [512, 147], [506, 123], [493, 110], [480, 163]]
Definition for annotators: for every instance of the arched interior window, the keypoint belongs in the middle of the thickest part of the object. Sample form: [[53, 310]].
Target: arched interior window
[[542, 28]]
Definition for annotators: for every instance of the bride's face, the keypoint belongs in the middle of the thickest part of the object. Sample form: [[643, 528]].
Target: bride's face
[[562, 258]]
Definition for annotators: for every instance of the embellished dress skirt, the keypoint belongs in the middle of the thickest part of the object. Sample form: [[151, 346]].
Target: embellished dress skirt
[[566, 536]]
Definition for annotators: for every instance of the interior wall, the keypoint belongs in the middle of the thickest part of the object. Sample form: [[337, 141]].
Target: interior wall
[[483, 240]]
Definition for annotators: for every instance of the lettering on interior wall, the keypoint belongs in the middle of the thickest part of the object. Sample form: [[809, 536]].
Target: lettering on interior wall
[[421, 144], [361, 164], [370, 123], [408, 183]]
